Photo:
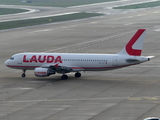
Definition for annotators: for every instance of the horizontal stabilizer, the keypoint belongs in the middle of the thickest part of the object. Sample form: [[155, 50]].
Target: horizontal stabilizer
[[150, 56], [132, 60]]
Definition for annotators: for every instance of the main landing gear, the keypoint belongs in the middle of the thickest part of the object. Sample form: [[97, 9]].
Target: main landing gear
[[65, 77], [23, 74], [77, 74]]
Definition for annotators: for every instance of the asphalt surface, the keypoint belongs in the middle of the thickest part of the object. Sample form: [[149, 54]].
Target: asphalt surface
[[130, 93], [38, 12]]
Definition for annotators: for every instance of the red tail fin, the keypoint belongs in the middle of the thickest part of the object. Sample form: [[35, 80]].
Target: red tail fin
[[134, 46]]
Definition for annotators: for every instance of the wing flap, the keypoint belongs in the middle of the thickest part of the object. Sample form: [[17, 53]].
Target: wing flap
[[63, 68]]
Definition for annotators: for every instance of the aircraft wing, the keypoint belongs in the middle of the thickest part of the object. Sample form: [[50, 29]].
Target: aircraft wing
[[63, 68]]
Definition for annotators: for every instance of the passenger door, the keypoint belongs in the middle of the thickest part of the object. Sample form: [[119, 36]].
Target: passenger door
[[19, 61]]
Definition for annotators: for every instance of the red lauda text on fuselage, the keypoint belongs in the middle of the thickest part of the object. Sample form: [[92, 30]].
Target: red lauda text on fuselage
[[43, 59]]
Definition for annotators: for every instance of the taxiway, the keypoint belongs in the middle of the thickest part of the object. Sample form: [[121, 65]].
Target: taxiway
[[126, 94]]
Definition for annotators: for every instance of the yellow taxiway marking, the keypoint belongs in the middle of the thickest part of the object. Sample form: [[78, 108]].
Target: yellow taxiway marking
[[156, 12], [154, 102], [135, 98], [94, 22], [87, 99], [152, 98]]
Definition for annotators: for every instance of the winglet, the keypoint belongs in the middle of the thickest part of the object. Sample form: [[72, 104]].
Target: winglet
[[135, 45]]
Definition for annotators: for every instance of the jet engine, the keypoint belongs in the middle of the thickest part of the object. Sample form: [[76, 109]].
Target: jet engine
[[43, 72]]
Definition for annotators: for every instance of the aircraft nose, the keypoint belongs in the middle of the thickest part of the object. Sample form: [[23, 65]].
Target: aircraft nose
[[6, 62]]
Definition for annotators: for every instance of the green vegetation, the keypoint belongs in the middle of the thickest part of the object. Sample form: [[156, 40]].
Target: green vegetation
[[4, 11], [52, 3], [38, 21], [143, 5]]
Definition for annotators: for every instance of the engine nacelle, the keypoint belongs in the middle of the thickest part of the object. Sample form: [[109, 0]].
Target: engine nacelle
[[43, 72]]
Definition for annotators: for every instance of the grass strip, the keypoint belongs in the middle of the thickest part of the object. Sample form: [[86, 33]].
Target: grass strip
[[142, 5], [52, 3], [4, 11], [38, 21]]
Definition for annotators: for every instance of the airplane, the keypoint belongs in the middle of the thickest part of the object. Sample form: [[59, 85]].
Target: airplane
[[46, 64]]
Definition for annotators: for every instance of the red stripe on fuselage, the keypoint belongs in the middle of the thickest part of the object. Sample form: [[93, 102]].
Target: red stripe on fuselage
[[21, 67], [80, 68]]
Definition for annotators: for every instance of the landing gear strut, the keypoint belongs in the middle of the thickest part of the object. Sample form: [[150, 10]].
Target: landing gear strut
[[77, 74], [23, 74], [64, 77]]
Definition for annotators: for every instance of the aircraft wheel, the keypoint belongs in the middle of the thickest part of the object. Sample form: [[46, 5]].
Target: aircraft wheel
[[77, 74], [64, 77], [23, 75]]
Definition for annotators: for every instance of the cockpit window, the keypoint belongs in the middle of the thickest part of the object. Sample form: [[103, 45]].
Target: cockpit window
[[12, 58]]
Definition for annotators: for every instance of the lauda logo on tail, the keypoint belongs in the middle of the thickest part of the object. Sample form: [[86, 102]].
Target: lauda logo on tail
[[134, 46]]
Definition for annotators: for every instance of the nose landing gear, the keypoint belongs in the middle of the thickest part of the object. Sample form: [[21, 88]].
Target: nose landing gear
[[23, 74]]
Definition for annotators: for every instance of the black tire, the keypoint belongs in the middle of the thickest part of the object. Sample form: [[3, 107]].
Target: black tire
[[77, 74], [23, 75], [64, 77]]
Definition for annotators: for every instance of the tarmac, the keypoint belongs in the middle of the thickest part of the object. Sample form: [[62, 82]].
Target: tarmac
[[130, 93]]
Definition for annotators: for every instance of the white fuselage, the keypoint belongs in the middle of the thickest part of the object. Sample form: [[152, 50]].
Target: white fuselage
[[46, 64], [78, 62]]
